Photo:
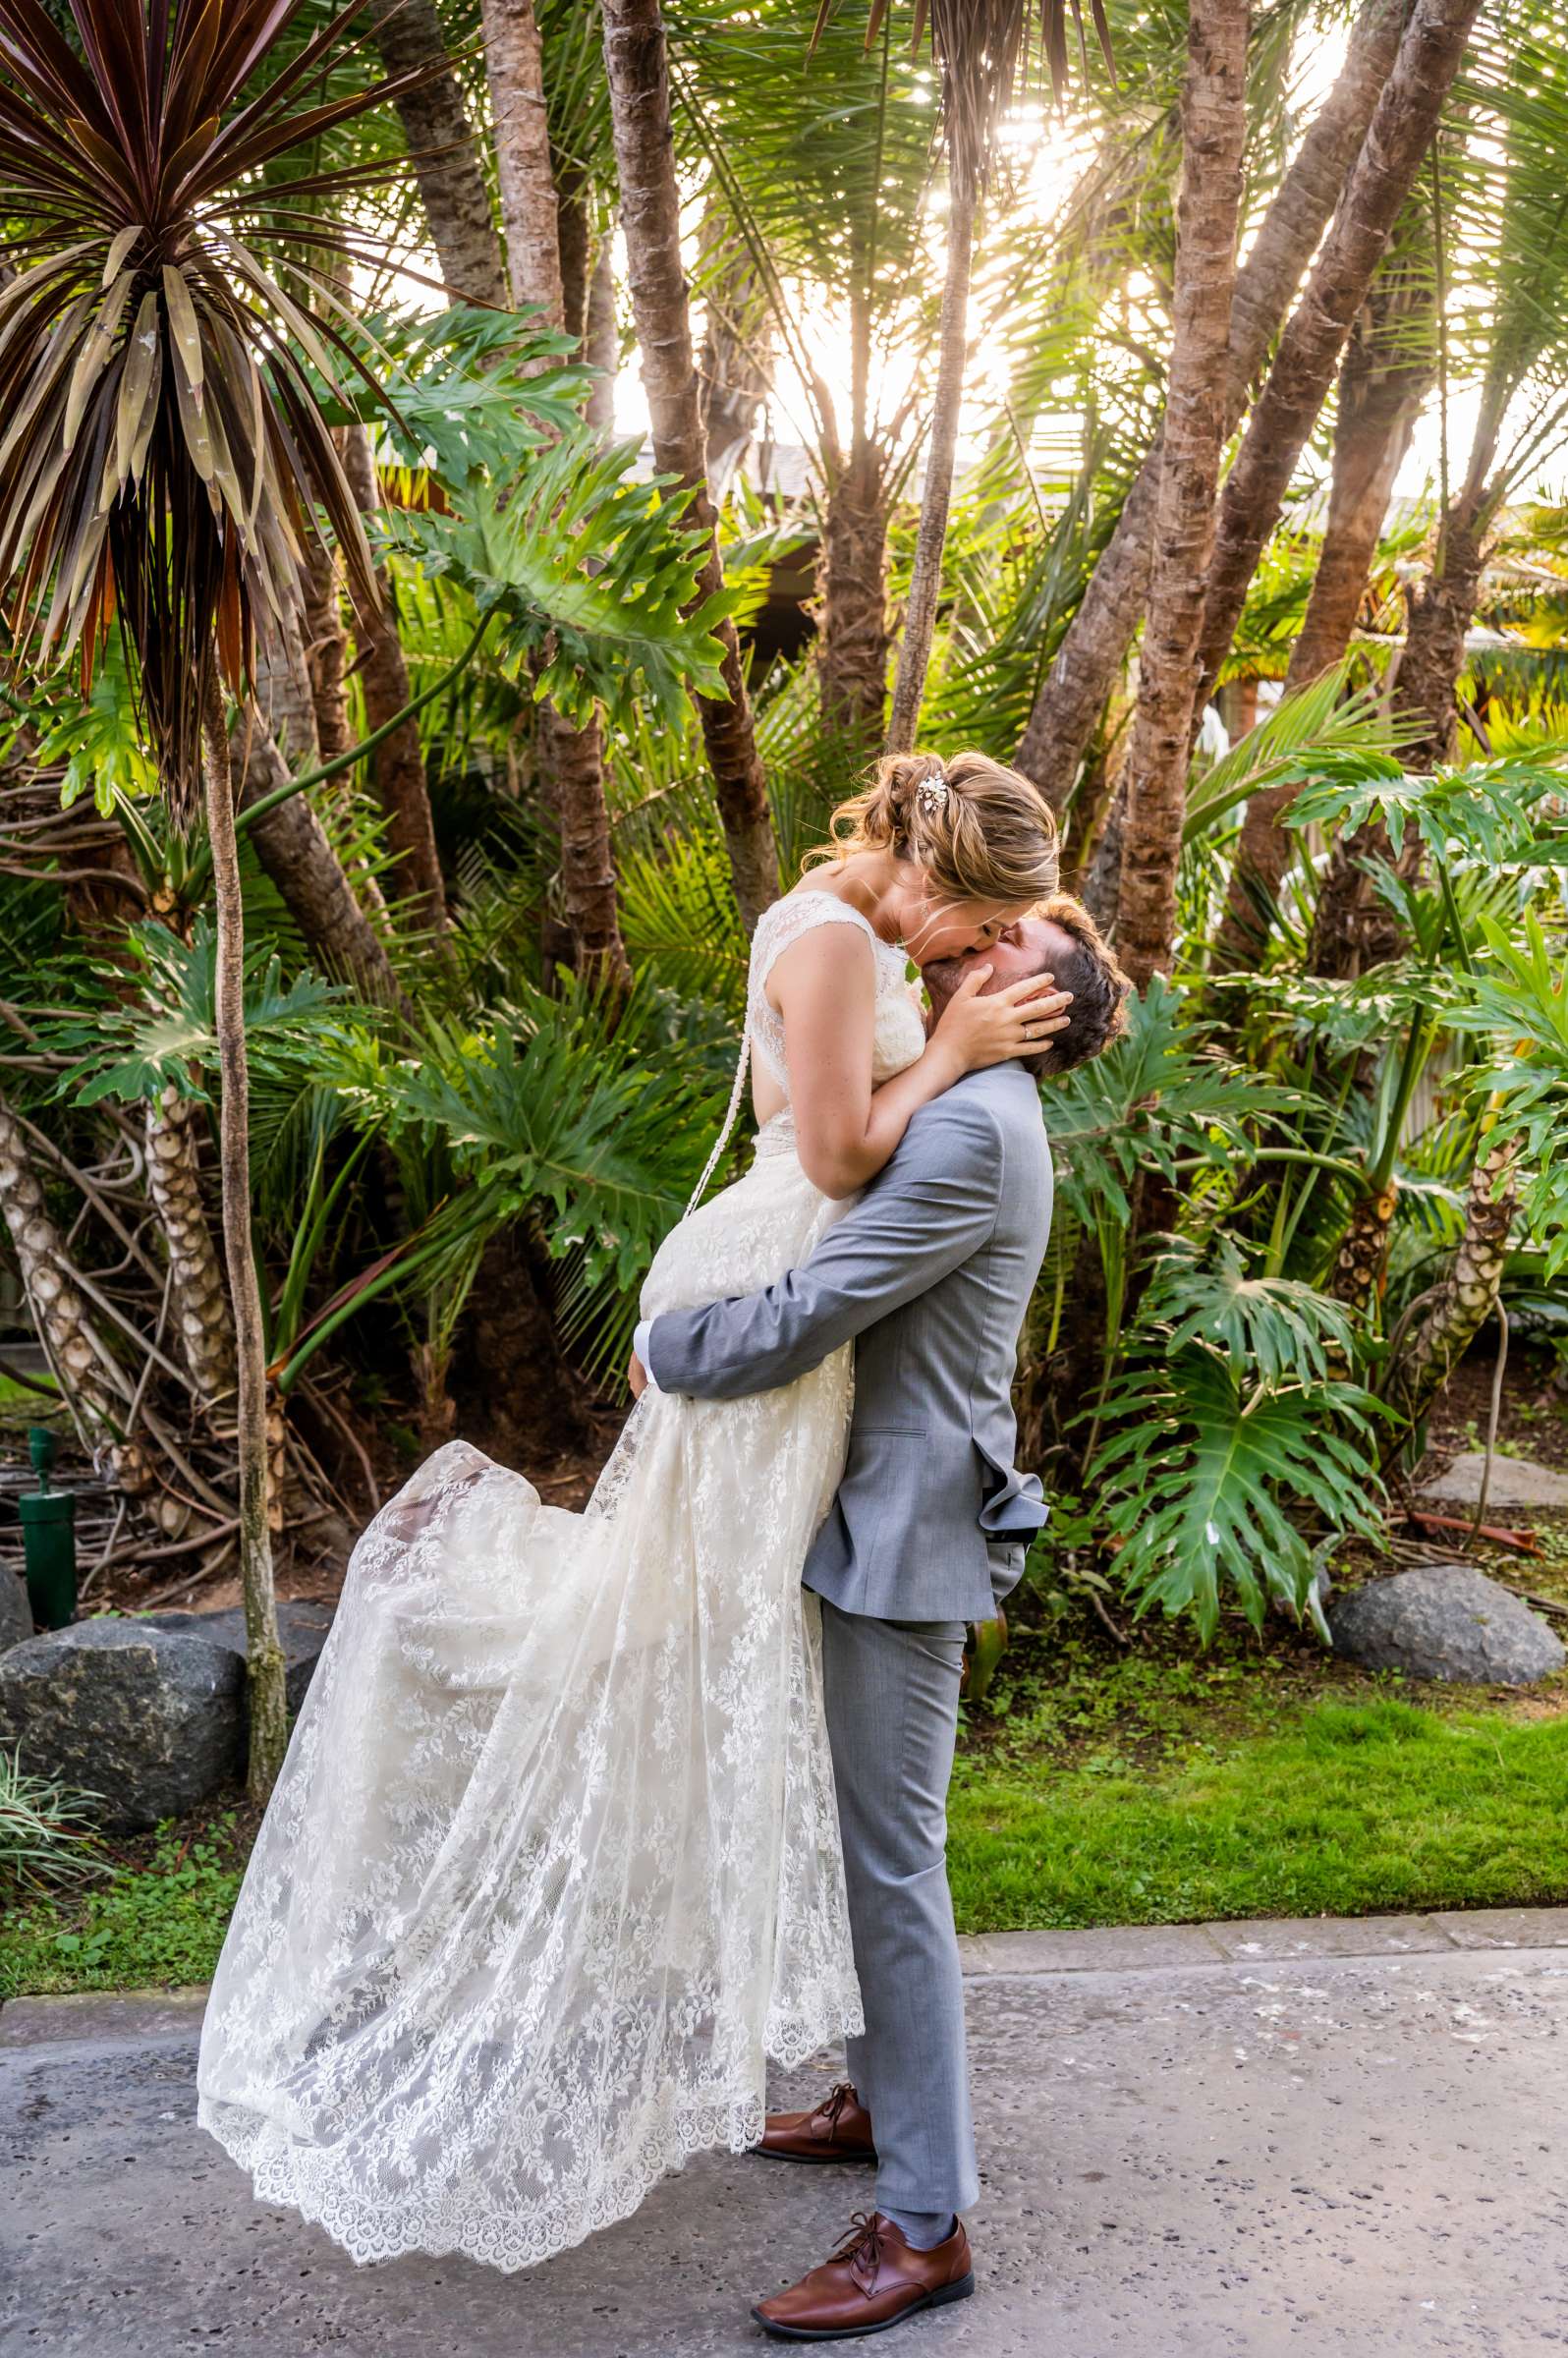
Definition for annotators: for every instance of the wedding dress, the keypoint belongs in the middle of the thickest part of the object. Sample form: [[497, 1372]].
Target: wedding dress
[[553, 1862]]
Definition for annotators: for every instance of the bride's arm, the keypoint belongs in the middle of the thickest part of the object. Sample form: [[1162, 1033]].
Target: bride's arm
[[825, 985]]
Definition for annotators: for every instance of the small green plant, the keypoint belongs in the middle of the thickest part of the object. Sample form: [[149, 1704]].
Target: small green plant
[[159, 1924], [46, 1833]]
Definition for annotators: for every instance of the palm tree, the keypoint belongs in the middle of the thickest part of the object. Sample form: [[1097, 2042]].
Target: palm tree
[[976, 53], [166, 458], [819, 156], [1511, 334], [1383, 381], [447, 159], [532, 214], [1400, 134], [1214, 136], [636, 66], [1089, 661]]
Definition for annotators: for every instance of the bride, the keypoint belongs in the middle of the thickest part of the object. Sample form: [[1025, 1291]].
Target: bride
[[553, 1864]]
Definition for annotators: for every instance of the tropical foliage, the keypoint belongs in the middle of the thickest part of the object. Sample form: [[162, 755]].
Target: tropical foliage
[[297, 491]]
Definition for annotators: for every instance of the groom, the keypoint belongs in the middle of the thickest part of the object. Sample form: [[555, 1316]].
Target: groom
[[931, 1271]]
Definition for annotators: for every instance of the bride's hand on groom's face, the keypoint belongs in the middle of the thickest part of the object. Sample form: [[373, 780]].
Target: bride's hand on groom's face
[[978, 1027]]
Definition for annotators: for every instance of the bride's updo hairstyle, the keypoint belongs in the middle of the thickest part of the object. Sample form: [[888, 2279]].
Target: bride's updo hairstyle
[[980, 830]]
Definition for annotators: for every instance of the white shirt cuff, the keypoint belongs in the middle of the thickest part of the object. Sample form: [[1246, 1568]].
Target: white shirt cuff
[[639, 1336]]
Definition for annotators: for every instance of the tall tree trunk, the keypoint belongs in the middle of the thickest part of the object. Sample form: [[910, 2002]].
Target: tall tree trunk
[[515, 62], [82, 1366], [637, 70], [1213, 133], [292, 846], [198, 1300], [263, 1654], [1380, 394], [446, 155], [851, 650], [397, 766], [1441, 611], [533, 212], [1468, 1294], [325, 651], [735, 365], [601, 341], [1095, 645], [1353, 926], [925, 579], [1401, 131]]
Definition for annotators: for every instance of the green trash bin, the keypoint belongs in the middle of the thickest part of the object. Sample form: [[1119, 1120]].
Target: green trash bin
[[48, 1539]]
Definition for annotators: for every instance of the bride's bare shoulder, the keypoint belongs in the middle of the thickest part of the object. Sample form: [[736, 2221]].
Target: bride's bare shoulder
[[811, 930]]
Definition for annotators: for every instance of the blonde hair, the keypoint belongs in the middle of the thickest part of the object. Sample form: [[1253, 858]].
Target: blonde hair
[[981, 831]]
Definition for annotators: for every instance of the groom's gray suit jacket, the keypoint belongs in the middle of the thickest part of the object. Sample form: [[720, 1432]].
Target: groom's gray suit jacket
[[932, 1270]]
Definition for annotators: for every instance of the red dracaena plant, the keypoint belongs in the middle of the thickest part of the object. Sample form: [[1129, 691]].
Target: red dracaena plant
[[163, 453]]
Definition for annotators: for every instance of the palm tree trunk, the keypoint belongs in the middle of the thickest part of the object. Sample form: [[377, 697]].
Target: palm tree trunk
[[1468, 1294], [82, 1364], [852, 652], [1358, 1268], [1213, 133], [533, 213], [397, 766], [637, 70], [925, 579], [1401, 131], [445, 153], [514, 60], [1353, 928], [601, 341], [735, 365], [325, 651], [198, 1300], [1379, 400], [264, 1664], [1095, 645], [1441, 611], [291, 844]]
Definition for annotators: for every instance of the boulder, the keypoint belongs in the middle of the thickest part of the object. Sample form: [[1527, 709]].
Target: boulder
[[303, 1625], [150, 1720], [16, 1613], [1517, 1485], [1445, 1620]]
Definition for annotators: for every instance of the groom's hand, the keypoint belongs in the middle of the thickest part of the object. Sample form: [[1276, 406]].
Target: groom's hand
[[637, 1377]]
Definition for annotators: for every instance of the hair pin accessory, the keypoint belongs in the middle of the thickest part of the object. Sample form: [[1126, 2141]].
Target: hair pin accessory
[[931, 795]]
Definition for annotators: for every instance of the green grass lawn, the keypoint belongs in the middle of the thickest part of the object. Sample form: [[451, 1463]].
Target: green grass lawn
[[1136, 1793], [1353, 1808]]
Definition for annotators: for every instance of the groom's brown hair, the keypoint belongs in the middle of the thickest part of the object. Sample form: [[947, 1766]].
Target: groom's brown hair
[[1100, 988]]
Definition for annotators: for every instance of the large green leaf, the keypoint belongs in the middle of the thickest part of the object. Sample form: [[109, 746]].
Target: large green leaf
[[1206, 1485], [593, 575]]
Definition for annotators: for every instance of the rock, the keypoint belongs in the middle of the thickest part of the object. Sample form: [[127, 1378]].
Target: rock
[[150, 1720], [1516, 1482], [16, 1613], [303, 1625], [1446, 1622]]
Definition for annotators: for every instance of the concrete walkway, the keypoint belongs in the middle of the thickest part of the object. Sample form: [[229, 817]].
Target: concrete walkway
[[1224, 2141]]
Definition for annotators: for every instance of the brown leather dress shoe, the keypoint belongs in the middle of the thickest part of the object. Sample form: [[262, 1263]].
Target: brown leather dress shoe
[[873, 2280], [839, 2129]]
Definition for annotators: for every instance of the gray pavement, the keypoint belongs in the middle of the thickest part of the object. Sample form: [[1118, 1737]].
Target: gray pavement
[[1231, 2140]]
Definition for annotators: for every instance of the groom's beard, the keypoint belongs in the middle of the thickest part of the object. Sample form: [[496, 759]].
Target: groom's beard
[[942, 979]]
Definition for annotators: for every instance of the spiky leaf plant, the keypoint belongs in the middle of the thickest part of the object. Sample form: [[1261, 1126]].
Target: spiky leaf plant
[[164, 454]]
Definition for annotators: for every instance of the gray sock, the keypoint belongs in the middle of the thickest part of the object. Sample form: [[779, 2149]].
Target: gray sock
[[921, 2230]]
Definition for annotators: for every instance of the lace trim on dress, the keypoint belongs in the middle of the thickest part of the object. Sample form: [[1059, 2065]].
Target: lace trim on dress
[[780, 926]]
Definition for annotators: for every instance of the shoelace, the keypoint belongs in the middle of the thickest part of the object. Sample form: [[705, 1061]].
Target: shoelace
[[862, 2248], [828, 2113]]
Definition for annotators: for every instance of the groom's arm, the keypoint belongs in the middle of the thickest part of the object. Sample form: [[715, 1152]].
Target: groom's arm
[[934, 1203]]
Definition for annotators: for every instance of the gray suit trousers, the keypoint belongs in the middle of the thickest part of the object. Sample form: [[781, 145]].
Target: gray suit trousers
[[891, 1695]]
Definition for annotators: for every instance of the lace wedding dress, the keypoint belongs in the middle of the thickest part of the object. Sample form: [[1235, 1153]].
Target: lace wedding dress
[[553, 1862]]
